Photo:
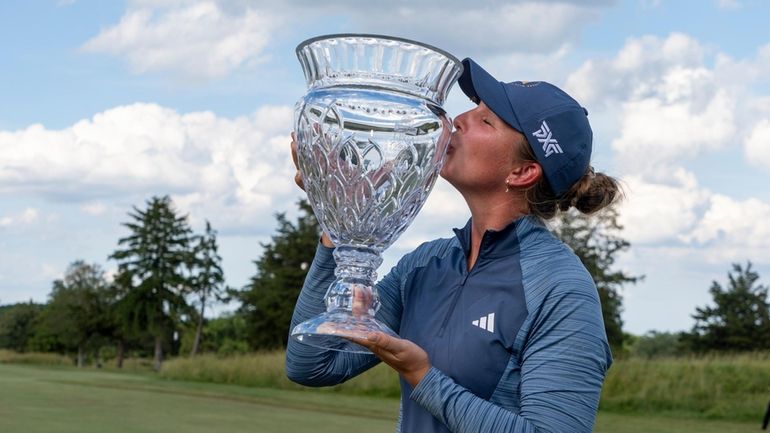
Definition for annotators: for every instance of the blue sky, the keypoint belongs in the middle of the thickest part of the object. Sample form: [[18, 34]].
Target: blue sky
[[104, 104]]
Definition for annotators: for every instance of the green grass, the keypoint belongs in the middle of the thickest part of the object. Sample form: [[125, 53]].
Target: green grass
[[716, 387], [10, 357], [726, 387], [65, 399], [267, 370], [608, 422]]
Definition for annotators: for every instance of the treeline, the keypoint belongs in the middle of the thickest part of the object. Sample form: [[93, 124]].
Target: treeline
[[155, 304], [167, 276], [738, 321]]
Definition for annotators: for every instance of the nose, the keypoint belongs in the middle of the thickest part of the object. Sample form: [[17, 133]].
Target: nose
[[459, 121]]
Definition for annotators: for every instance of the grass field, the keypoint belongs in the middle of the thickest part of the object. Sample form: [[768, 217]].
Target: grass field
[[63, 400]]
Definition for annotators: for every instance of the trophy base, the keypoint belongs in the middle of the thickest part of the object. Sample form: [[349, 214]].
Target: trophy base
[[332, 329]]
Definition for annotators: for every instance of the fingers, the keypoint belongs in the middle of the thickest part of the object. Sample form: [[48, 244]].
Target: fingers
[[294, 149], [362, 300], [385, 342], [407, 358], [378, 343], [298, 180], [294, 158]]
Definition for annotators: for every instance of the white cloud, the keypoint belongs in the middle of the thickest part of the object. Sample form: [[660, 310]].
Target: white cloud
[[674, 90], [228, 170], [729, 4], [211, 38], [670, 105], [734, 230], [94, 208], [26, 217], [657, 212], [485, 27], [29, 216], [488, 27], [196, 39], [757, 146], [52, 272], [678, 220], [636, 70], [671, 127]]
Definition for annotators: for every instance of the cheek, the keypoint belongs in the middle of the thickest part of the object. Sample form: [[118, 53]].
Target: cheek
[[496, 153]]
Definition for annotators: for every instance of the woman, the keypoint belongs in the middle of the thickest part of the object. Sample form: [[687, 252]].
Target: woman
[[501, 328]]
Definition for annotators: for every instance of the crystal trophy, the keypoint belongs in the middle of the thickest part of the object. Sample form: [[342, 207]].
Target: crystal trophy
[[371, 139]]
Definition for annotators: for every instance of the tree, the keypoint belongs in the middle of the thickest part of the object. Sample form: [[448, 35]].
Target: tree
[[120, 315], [76, 316], [207, 278], [740, 318], [658, 344], [596, 241], [17, 325], [152, 257], [224, 335], [268, 301]]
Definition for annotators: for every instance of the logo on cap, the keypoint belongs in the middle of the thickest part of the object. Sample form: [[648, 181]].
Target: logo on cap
[[545, 137]]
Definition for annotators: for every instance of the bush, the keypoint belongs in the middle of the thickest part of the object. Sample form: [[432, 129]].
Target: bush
[[266, 369], [34, 358], [717, 386], [657, 344], [730, 387], [263, 369]]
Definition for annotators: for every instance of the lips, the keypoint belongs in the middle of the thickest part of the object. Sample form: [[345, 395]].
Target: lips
[[450, 147]]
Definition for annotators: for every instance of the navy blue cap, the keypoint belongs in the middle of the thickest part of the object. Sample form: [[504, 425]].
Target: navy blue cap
[[555, 125]]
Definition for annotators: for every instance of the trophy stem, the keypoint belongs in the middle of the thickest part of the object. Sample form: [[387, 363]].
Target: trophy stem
[[351, 302]]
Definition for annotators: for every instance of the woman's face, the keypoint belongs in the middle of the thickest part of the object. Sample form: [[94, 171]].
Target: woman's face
[[482, 151]]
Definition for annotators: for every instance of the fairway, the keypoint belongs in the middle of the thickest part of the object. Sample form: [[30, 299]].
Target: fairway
[[36, 400], [48, 400]]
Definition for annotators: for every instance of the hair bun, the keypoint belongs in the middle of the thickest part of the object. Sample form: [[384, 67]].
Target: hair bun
[[593, 192]]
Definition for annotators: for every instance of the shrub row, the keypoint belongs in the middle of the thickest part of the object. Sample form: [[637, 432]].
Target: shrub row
[[730, 387], [266, 370]]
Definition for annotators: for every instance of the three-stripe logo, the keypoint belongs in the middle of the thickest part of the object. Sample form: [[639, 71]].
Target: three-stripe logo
[[486, 323]]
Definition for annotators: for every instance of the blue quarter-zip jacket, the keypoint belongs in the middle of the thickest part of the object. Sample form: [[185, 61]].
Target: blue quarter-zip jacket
[[517, 343]]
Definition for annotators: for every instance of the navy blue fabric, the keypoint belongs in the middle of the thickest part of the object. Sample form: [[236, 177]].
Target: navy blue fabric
[[441, 301], [556, 126], [538, 368]]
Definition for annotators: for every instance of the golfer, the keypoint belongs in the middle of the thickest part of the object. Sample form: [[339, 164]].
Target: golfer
[[500, 325]]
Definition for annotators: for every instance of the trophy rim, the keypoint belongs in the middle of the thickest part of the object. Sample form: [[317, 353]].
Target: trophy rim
[[445, 53]]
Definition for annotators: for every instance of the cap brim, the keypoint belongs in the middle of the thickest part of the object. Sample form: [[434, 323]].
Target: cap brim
[[480, 85]]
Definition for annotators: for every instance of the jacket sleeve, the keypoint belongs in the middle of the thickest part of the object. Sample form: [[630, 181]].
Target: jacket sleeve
[[563, 363], [312, 366]]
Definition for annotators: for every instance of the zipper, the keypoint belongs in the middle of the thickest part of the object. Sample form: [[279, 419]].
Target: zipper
[[484, 240], [453, 305]]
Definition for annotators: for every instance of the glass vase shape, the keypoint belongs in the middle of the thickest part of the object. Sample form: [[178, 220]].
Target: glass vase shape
[[371, 140]]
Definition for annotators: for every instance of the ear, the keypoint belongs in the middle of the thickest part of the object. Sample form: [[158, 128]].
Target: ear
[[524, 174]]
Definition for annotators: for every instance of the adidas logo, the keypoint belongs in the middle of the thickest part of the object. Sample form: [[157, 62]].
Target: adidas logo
[[544, 136], [486, 323]]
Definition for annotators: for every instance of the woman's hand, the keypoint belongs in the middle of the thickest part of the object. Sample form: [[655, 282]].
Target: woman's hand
[[297, 175], [298, 180], [407, 358]]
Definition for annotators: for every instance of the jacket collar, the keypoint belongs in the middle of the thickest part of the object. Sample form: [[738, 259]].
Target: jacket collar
[[499, 243]]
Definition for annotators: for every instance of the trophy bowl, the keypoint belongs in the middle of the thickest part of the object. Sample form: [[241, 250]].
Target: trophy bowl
[[371, 139]]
